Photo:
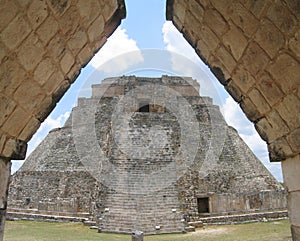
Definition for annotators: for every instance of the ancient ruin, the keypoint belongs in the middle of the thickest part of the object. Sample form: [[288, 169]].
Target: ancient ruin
[[252, 47], [146, 154]]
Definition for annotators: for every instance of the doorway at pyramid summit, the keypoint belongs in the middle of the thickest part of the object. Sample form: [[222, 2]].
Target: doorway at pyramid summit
[[146, 154]]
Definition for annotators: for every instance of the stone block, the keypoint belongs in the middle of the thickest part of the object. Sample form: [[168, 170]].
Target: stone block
[[29, 99], [259, 101], [234, 91], [31, 127], [6, 107], [44, 109], [7, 12], [24, 3], [272, 127], [214, 20], [107, 91], [269, 88], [85, 55], [235, 41], [2, 222], [57, 47], [77, 41], [13, 126], [210, 39], [293, 207], [219, 70], [73, 73], [291, 170], [243, 18], [59, 92], [202, 50], [43, 71], [222, 7], [30, 52], [257, 8], [59, 7], [280, 15], [294, 140], [3, 51], [97, 45], [250, 110], [69, 22], [279, 127], [243, 79], [14, 149], [196, 9], [96, 29], [294, 44], [52, 83], [254, 58], [37, 12], [226, 59], [286, 71], [15, 32], [177, 23], [4, 180], [289, 109], [295, 232], [2, 141], [279, 150], [88, 10], [108, 9], [269, 38], [192, 33], [11, 75], [47, 29], [67, 62]]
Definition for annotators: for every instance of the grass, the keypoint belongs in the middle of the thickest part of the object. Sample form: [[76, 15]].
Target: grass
[[43, 231]]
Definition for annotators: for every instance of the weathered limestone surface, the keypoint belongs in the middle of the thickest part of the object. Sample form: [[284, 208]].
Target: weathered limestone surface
[[4, 180], [252, 46], [44, 44], [144, 183], [248, 46], [253, 49]]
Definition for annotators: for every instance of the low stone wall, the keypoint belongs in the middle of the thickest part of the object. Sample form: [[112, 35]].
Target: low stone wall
[[241, 218]]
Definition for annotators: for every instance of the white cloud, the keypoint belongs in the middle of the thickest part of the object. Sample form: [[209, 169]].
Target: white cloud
[[231, 111], [236, 118], [175, 42], [110, 58], [188, 63]]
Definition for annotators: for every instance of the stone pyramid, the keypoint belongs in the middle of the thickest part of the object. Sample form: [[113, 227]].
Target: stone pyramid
[[144, 154]]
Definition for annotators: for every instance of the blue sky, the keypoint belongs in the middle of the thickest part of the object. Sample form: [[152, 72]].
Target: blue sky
[[145, 28]]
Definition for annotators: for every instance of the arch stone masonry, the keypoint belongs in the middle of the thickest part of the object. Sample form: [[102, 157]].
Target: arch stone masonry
[[253, 47], [43, 46]]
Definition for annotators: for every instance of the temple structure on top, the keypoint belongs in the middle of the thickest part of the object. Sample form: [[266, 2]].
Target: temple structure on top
[[146, 154]]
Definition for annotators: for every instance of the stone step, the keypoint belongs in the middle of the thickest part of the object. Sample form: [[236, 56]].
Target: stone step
[[41, 217], [50, 213], [241, 218], [89, 223]]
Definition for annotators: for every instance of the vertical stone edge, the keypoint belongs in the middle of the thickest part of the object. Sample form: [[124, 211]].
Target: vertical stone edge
[[290, 169], [5, 166]]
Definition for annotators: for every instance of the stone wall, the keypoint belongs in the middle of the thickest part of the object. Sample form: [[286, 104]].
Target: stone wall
[[252, 47], [139, 181], [44, 44]]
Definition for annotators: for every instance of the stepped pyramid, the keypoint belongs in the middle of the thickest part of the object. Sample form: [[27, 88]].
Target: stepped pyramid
[[145, 154]]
